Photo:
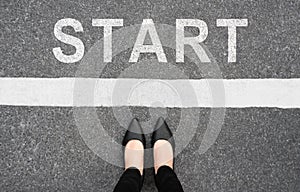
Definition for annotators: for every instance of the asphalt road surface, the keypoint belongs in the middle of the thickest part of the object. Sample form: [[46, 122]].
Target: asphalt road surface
[[258, 149]]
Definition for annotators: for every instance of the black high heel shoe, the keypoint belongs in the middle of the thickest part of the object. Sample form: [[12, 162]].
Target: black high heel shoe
[[162, 131], [135, 132]]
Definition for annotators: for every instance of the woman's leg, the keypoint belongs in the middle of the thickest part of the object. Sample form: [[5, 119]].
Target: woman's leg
[[166, 180], [130, 181], [165, 177]]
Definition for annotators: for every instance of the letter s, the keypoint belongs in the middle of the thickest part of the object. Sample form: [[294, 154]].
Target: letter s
[[68, 39]]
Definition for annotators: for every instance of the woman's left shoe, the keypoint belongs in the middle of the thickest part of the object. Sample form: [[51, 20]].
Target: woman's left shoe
[[135, 132]]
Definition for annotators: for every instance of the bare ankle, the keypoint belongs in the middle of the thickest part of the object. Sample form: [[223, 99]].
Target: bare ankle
[[163, 154], [134, 155]]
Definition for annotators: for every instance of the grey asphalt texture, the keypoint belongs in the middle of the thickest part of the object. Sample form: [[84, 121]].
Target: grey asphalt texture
[[258, 149]]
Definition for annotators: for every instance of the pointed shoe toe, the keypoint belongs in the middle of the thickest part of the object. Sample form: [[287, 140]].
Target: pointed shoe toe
[[134, 132], [162, 132]]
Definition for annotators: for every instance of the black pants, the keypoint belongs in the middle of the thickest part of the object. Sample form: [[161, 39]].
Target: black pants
[[165, 180]]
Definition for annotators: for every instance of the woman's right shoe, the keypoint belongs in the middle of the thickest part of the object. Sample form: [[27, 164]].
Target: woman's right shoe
[[162, 131]]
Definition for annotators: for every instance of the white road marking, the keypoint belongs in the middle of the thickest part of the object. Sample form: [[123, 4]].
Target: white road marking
[[239, 93]]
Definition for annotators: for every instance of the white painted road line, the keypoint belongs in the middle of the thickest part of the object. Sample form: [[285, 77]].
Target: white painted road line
[[239, 93]]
